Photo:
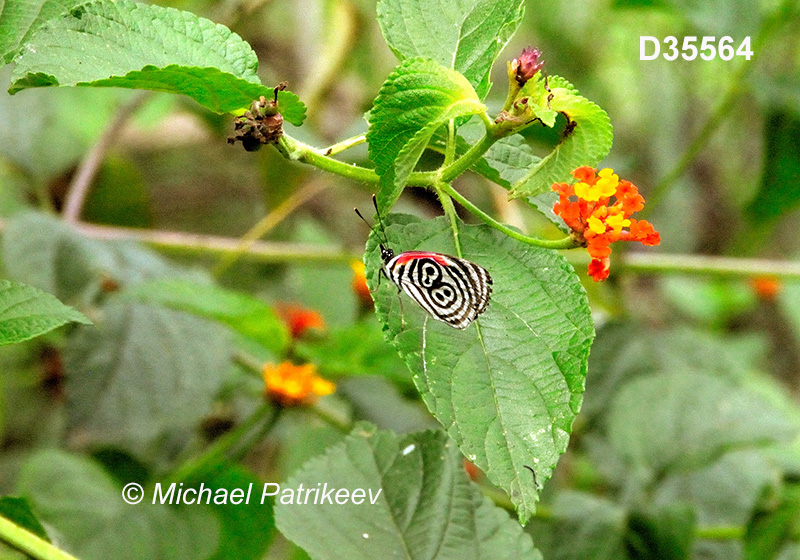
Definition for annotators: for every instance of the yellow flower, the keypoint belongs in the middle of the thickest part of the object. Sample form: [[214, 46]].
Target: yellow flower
[[291, 385], [617, 221]]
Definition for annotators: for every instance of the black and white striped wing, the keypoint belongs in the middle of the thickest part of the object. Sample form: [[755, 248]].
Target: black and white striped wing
[[450, 289]]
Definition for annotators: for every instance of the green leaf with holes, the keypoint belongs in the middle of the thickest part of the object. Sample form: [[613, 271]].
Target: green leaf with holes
[[134, 45], [416, 99], [26, 312], [468, 40], [585, 141], [506, 388], [408, 497]]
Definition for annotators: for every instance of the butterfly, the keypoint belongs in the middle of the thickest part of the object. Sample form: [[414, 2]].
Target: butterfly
[[452, 290]]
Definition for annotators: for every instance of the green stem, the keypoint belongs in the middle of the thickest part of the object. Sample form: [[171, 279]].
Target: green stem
[[712, 266], [563, 243], [450, 147], [450, 212], [232, 445], [298, 151], [450, 172], [30, 544], [345, 145]]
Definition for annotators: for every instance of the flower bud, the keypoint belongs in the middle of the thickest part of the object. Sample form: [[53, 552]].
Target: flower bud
[[526, 66]]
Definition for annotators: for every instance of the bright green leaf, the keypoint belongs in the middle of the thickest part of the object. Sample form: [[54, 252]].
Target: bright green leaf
[[19, 511], [143, 372], [467, 36], [586, 140], [243, 313], [134, 45], [19, 18], [419, 503], [26, 312], [416, 99], [508, 387], [84, 505]]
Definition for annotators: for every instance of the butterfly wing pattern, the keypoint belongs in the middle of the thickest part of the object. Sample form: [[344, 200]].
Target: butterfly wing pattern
[[451, 290]]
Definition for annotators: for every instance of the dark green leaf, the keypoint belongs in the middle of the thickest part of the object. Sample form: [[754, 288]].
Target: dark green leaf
[[419, 503], [19, 511], [586, 140], [771, 529], [85, 506], [468, 38], [143, 372], [661, 533], [780, 184], [134, 45], [508, 387], [26, 312], [246, 529], [243, 313], [416, 99], [582, 527]]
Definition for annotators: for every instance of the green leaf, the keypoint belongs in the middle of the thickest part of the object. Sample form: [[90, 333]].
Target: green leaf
[[145, 371], [467, 38], [247, 529], [18, 19], [416, 99], [84, 505], [582, 526], [508, 387], [663, 532], [48, 253], [687, 420], [419, 503], [586, 140], [245, 314], [356, 350], [26, 312], [129, 44], [19, 511], [778, 193], [507, 161], [771, 529]]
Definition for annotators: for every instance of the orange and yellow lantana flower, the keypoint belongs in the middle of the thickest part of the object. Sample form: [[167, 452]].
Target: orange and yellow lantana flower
[[290, 385], [597, 209]]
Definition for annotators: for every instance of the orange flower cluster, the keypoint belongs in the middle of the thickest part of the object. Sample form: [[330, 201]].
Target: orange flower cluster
[[597, 222], [291, 385]]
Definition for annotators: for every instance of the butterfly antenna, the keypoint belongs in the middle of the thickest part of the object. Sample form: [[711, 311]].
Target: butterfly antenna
[[380, 221]]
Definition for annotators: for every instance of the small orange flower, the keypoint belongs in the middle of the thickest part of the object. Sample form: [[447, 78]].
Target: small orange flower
[[360, 283], [299, 319], [766, 288], [291, 385], [597, 222]]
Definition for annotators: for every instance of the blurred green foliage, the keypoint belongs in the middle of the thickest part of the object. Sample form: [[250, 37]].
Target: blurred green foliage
[[686, 446]]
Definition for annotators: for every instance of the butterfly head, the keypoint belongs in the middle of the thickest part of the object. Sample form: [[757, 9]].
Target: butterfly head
[[386, 253]]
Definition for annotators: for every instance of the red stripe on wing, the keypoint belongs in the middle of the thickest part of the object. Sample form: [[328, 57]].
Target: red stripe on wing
[[407, 256]]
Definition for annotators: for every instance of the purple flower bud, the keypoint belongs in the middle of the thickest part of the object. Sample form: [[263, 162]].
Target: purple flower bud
[[527, 65]]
